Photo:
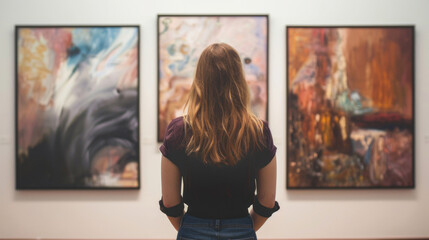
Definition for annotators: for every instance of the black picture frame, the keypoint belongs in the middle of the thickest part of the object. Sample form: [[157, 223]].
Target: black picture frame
[[161, 138], [18, 174], [289, 100]]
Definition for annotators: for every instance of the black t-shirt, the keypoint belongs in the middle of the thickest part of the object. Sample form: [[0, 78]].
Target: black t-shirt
[[216, 191]]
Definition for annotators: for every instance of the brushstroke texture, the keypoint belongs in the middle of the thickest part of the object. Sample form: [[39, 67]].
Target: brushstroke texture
[[181, 41], [350, 112]]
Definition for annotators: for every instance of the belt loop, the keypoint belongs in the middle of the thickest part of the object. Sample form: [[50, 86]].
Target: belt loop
[[217, 224]]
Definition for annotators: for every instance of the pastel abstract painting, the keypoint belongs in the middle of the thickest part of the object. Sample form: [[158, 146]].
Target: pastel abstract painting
[[181, 39], [77, 107], [350, 107]]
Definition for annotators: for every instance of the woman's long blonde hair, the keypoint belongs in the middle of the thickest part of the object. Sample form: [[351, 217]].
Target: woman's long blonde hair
[[224, 129]]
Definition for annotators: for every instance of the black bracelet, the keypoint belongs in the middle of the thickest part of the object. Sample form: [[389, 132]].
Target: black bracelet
[[264, 211], [175, 211]]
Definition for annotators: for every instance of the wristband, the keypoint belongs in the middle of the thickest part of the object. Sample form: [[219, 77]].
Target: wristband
[[175, 211], [264, 211]]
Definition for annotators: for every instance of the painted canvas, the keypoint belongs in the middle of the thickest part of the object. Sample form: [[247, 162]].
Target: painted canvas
[[181, 39], [350, 107], [77, 104]]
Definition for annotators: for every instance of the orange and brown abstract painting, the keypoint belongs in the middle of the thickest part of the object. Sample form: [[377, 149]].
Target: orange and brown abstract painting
[[350, 107]]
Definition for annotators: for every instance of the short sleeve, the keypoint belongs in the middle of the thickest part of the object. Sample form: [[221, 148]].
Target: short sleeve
[[269, 150], [172, 141]]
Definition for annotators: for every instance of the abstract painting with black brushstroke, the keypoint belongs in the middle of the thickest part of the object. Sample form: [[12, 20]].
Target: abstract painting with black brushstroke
[[77, 99], [350, 107], [182, 38]]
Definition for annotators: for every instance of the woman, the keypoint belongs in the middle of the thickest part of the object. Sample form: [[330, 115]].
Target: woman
[[219, 148]]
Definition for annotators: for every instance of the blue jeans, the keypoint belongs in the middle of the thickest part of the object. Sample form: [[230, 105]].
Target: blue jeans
[[193, 228]]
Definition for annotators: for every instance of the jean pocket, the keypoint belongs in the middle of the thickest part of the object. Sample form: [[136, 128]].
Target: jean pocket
[[249, 238]]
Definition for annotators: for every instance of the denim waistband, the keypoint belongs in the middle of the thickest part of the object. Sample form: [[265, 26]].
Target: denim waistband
[[195, 222]]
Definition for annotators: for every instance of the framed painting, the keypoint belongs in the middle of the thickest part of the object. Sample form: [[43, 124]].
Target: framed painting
[[182, 38], [77, 107], [350, 107]]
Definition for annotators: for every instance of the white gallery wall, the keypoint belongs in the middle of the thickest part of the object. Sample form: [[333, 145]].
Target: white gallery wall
[[135, 214]]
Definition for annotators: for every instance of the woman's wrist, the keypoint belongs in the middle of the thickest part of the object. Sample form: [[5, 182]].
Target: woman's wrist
[[175, 211], [263, 210]]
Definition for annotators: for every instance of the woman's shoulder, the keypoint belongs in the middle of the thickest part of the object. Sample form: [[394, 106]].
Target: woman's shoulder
[[265, 123], [174, 131], [269, 150], [177, 122], [266, 129], [173, 140]]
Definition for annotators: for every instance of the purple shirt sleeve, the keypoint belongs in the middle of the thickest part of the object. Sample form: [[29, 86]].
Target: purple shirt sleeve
[[269, 151], [172, 141]]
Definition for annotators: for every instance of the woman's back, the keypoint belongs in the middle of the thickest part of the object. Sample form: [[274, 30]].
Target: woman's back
[[216, 190]]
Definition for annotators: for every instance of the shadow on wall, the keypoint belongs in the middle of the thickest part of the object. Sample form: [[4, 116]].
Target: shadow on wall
[[353, 195], [76, 195]]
